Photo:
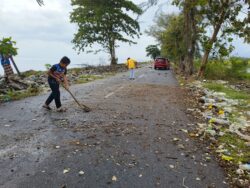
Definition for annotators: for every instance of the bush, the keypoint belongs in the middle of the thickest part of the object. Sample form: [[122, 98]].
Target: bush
[[217, 70], [234, 68], [239, 69]]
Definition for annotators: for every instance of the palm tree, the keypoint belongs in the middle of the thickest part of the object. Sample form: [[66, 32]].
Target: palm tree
[[40, 2]]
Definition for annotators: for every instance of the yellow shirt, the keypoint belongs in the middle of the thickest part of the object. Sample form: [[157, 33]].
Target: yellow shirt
[[131, 63]]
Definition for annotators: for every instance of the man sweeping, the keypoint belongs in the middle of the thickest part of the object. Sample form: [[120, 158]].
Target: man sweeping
[[57, 76], [131, 65]]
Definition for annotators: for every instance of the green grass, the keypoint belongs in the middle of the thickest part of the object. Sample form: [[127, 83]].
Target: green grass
[[230, 139], [17, 95], [239, 153], [181, 80], [233, 69], [32, 72], [88, 78], [230, 93], [75, 70], [144, 63]]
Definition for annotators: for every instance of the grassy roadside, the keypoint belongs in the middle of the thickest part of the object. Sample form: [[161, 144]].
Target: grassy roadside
[[236, 146], [88, 78], [231, 93], [12, 95], [75, 75], [230, 79]]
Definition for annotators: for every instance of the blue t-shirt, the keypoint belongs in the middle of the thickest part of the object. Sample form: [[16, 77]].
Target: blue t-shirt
[[58, 71]]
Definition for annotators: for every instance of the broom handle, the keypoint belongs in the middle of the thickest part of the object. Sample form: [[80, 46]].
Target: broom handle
[[74, 97]]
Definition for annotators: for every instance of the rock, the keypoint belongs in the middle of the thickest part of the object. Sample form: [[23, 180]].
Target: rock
[[184, 130], [210, 101], [32, 78], [208, 159], [65, 171], [239, 171], [211, 132], [202, 99], [223, 82], [16, 86], [228, 109], [247, 144], [221, 133], [190, 110], [219, 94], [81, 173], [176, 139], [219, 121], [114, 178], [248, 113], [181, 146], [171, 166]]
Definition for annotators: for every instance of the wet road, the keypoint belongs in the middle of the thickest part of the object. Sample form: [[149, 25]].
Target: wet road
[[126, 141]]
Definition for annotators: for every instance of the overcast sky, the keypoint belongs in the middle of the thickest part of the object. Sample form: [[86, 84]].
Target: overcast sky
[[44, 34]]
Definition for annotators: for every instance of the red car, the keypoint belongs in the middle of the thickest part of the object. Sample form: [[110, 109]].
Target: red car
[[161, 63]]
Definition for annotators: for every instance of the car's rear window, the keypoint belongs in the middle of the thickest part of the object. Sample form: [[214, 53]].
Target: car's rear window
[[161, 60]]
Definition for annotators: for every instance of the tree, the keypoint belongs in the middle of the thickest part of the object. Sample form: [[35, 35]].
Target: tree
[[190, 30], [169, 31], [190, 35], [7, 49], [173, 44], [153, 51], [40, 2], [104, 23], [226, 18]]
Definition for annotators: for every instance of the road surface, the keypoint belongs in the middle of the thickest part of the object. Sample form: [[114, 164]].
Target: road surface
[[134, 137]]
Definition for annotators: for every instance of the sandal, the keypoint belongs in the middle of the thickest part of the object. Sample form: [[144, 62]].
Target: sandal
[[46, 107], [61, 109]]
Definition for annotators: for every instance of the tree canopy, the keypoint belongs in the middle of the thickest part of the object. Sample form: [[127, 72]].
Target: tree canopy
[[104, 23], [168, 30], [212, 24], [226, 18], [40, 2], [153, 51], [7, 47]]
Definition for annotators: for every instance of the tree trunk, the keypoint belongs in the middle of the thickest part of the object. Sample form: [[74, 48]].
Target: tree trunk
[[190, 36], [182, 64], [203, 64], [13, 62], [210, 44], [112, 53]]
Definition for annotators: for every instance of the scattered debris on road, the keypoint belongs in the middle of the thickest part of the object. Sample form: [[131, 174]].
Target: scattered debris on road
[[225, 121]]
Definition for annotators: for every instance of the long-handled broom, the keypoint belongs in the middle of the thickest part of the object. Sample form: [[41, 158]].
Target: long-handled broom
[[82, 106]]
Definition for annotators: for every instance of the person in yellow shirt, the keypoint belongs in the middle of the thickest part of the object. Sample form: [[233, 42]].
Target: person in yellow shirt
[[131, 65]]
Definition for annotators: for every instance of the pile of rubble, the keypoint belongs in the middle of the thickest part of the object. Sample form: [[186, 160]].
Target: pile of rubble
[[38, 79], [14, 84], [222, 116]]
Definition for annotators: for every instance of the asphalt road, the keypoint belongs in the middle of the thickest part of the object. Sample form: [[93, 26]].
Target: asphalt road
[[126, 141]]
